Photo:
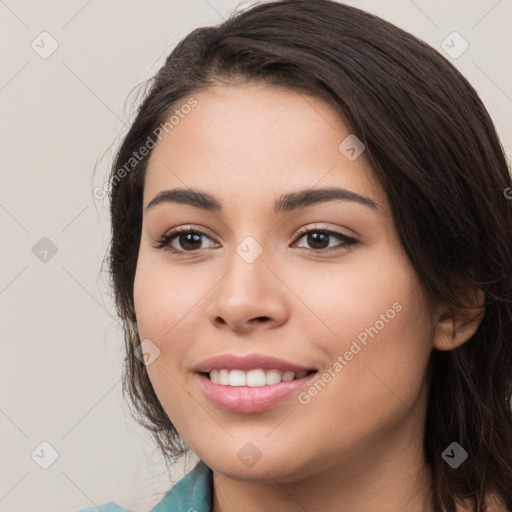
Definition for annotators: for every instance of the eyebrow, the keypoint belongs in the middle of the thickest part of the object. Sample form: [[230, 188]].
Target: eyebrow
[[285, 202]]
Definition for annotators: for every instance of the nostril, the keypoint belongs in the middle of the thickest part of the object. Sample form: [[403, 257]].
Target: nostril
[[262, 319]]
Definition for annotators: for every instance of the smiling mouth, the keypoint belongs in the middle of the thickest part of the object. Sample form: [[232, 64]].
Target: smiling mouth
[[253, 378]]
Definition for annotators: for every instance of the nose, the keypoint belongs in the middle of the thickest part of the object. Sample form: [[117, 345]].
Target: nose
[[248, 297]]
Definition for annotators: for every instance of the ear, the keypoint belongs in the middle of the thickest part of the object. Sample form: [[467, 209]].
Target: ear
[[455, 326]]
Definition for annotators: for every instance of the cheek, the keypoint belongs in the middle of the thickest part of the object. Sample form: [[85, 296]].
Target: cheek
[[376, 325], [162, 300], [163, 295], [368, 298], [376, 376]]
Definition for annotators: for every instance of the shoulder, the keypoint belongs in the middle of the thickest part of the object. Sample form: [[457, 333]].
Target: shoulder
[[106, 507], [192, 492]]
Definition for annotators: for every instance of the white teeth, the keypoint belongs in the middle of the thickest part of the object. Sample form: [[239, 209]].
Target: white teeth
[[255, 378], [223, 378], [214, 376], [273, 377], [237, 378], [252, 378]]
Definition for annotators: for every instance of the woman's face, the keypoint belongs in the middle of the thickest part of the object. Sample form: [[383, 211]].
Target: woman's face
[[265, 278]]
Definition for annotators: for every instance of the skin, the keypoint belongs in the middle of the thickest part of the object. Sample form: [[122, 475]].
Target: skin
[[357, 445]]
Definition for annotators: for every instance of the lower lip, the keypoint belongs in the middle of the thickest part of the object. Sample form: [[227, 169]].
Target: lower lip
[[247, 399]]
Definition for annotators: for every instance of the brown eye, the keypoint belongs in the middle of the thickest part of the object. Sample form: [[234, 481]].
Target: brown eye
[[187, 239], [319, 240]]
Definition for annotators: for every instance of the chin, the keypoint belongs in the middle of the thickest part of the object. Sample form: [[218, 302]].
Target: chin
[[258, 467]]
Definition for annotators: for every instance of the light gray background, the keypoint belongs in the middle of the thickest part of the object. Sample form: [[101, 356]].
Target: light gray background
[[61, 348]]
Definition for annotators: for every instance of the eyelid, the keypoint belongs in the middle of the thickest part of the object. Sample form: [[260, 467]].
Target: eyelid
[[324, 227], [186, 228]]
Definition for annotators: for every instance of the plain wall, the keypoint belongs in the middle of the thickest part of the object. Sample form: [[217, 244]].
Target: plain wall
[[62, 347]]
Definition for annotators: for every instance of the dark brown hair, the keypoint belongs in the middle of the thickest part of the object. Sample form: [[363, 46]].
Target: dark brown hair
[[433, 148]]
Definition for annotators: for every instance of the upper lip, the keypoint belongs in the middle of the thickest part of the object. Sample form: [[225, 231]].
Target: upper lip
[[249, 362]]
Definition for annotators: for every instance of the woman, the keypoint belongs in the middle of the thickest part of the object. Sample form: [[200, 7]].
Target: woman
[[311, 254]]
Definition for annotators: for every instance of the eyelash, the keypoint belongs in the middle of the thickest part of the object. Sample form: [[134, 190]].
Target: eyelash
[[164, 242]]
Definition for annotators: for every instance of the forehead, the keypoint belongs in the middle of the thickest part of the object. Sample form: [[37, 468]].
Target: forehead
[[256, 140]]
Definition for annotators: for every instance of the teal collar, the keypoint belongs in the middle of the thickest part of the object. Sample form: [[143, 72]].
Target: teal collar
[[193, 493]]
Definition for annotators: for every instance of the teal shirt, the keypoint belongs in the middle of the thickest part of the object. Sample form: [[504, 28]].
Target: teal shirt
[[193, 493]]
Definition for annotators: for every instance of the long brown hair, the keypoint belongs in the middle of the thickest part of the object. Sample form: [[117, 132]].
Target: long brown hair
[[435, 151]]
